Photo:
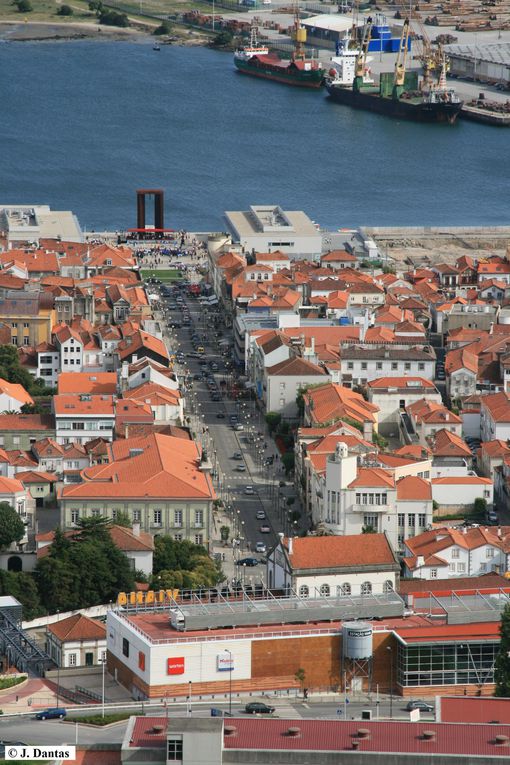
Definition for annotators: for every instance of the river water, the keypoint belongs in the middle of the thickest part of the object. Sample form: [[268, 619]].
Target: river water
[[83, 124]]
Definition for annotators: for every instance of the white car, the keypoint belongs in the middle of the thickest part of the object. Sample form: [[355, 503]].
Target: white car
[[260, 547], [261, 516], [249, 490]]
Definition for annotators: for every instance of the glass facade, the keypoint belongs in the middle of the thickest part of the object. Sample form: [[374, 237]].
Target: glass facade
[[447, 664]]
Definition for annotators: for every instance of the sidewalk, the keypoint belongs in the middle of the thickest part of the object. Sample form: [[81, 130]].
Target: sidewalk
[[34, 695]]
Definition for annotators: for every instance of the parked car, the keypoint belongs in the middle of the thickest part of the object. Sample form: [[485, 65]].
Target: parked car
[[241, 469], [237, 456], [220, 416], [237, 426], [258, 708], [249, 490], [260, 547], [265, 529], [247, 562], [421, 705], [53, 713], [492, 517]]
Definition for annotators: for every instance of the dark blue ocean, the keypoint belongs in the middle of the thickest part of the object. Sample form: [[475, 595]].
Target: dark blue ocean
[[83, 124]]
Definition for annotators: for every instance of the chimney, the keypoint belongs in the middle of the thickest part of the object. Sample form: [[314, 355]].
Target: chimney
[[464, 530], [499, 532], [290, 545], [136, 529], [420, 561]]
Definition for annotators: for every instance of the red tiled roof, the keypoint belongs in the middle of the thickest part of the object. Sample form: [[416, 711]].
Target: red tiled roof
[[413, 488], [335, 552], [78, 627], [377, 477], [85, 382], [467, 710]]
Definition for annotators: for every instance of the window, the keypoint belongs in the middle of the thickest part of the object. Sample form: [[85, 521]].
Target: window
[[178, 537], [433, 573], [370, 522], [489, 553], [363, 364], [378, 365], [26, 325], [346, 588], [71, 660], [483, 567], [421, 366], [75, 516], [174, 749], [324, 590], [199, 539], [125, 646], [461, 568], [407, 366], [411, 520], [455, 552], [96, 513], [26, 340], [137, 516], [15, 440], [350, 365], [199, 517], [366, 588], [157, 517], [388, 586], [401, 520], [422, 520], [177, 517], [304, 591], [486, 493], [394, 365]]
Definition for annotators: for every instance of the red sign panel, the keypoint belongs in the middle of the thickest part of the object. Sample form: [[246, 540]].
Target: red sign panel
[[175, 666]]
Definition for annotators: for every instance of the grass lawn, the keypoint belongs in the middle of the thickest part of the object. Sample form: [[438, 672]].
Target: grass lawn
[[166, 275], [46, 10], [98, 719]]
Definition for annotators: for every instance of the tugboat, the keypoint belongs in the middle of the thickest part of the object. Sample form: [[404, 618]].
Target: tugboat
[[299, 70], [399, 94]]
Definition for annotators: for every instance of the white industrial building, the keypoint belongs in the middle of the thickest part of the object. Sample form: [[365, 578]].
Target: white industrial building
[[266, 228], [488, 62], [26, 224]]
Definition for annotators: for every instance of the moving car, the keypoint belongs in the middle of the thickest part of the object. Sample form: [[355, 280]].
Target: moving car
[[421, 705], [220, 416], [241, 469], [260, 547], [247, 562], [260, 515], [237, 456], [258, 708], [53, 713], [265, 529], [249, 490]]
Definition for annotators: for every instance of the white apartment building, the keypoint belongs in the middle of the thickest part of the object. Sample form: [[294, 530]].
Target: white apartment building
[[360, 364], [447, 553]]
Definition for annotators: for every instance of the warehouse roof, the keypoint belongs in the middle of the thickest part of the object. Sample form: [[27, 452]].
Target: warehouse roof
[[497, 53]]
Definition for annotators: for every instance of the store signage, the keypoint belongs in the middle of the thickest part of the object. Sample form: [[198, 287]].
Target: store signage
[[175, 666], [224, 662]]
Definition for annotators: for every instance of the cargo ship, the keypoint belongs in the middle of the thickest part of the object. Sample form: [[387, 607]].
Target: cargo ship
[[299, 70], [399, 94]]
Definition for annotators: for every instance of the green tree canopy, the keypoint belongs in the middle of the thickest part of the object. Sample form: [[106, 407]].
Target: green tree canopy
[[273, 419], [12, 528], [22, 586], [502, 666], [84, 570], [163, 29], [183, 565], [65, 10]]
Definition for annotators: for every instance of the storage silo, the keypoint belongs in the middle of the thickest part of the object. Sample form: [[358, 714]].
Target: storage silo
[[357, 654]]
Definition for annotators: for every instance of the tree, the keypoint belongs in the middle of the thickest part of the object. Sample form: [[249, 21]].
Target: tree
[[65, 10], [96, 5], [24, 6], [83, 570], [12, 528], [368, 530], [224, 533], [113, 18], [273, 419], [163, 29], [182, 564], [22, 586], [223, 38], [123, 519], [502, 665], [288, 460], [300, 676], [480, 506]]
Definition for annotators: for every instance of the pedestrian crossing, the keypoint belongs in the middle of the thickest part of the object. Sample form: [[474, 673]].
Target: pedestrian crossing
[[284, 709]]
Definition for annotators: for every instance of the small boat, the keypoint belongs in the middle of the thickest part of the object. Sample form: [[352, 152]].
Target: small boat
[[156, 47]]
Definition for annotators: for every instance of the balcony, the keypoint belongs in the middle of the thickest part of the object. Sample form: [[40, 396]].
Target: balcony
[[368, 509]]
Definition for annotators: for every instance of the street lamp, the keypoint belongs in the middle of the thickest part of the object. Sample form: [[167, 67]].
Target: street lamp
[[390, 649], [103, 662], [230, 668]]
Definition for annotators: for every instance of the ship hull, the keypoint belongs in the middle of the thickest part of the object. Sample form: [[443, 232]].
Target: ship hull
[[288, 75], [412, 109]]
